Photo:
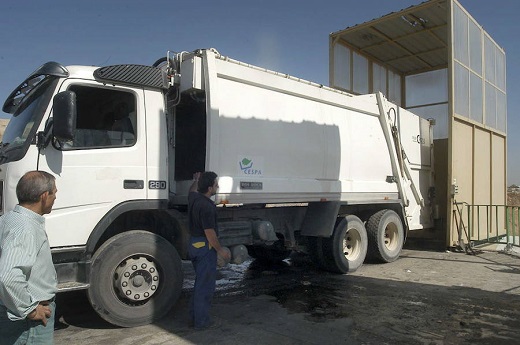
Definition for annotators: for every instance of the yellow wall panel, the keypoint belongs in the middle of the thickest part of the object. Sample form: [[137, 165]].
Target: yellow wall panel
[[462, 174], [462, 136], [498, 170], [482, 214], [498, 196], [482, 168]]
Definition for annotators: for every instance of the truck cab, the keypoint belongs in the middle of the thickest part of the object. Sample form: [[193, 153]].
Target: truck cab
[[92, 136]]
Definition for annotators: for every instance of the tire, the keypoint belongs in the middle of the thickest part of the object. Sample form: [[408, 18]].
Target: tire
[[346, 250], [385, 236], [136, 278]]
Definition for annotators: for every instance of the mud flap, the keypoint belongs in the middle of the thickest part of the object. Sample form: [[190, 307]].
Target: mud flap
[[320, 219]]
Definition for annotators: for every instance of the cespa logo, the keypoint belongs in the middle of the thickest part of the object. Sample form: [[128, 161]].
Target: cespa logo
[[250, 165]]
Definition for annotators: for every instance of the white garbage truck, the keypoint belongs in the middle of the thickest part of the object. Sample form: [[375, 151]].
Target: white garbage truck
[[302, 167]]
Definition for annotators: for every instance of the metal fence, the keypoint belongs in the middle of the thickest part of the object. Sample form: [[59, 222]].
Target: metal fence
[[482, 224]]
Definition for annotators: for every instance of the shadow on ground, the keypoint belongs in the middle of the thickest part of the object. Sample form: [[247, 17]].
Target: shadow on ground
[[294, 303]]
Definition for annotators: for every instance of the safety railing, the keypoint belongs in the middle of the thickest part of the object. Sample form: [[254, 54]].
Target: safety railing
[[482, 224]]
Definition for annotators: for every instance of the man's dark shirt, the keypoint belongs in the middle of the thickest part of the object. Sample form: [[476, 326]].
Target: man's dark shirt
[[202, 214]]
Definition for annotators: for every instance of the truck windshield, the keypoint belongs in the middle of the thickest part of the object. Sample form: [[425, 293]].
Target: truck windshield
[[27, 116]]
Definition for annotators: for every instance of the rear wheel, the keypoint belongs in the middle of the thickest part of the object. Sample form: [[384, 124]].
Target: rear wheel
[[385, 236], [346, 250], [136, 278]]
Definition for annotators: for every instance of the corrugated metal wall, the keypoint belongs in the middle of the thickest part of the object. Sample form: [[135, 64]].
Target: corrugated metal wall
[[468, 103], [478, 131]]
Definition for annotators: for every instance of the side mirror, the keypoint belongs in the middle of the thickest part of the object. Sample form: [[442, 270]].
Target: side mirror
[[64, 113]]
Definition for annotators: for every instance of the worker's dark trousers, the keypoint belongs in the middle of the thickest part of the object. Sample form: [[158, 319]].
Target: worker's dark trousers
[[204, 262]]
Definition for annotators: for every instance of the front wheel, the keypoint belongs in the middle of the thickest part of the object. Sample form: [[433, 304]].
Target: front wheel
[[136, 277]]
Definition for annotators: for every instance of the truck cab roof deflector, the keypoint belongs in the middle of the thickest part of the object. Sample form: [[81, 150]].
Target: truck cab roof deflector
[[144, 76]]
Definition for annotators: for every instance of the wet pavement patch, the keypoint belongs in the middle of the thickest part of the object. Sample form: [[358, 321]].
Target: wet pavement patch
[[317, 304]]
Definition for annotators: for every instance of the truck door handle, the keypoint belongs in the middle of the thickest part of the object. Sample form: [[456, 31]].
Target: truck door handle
[[133, 184]]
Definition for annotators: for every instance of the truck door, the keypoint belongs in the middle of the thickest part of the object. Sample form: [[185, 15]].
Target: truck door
[[103, 166]]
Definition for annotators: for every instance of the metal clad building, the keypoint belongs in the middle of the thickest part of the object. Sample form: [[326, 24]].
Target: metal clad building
[[435, 60]]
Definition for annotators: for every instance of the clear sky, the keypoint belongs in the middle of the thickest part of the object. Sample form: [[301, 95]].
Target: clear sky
[[289, 36]]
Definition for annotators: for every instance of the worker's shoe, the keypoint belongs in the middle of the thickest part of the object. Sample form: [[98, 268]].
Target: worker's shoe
[[212, 325]]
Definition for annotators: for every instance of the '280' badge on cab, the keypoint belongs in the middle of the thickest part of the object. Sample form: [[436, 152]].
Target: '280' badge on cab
[[156, 184]]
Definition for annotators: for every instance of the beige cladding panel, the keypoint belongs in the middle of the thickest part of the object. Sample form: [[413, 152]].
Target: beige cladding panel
[[498, 172], [482, 185], [498, 169], [479, 170], [482, 168], [463, 161]]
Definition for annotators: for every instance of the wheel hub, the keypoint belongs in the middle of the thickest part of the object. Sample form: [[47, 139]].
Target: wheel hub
[[351, 244], [391, 236], [136, 279]]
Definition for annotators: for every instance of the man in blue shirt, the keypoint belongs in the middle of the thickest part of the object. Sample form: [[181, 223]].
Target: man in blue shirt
[[28, 281], [204, 246]]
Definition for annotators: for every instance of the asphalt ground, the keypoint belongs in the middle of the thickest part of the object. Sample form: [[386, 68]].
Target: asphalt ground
[[422, 298]]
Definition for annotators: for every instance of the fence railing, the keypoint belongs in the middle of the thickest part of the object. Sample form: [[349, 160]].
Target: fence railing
[[479, 224]]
